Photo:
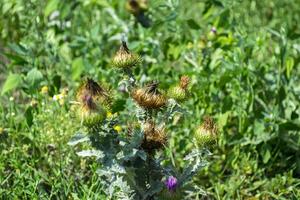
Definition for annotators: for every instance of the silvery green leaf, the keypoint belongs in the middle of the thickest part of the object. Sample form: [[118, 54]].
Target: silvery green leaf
[[142, 155], [90, 153], [155, 188], [136, 139], [197, 153], [196, 161], [127, 154], [125, 192], [78, 138], [194, 191]]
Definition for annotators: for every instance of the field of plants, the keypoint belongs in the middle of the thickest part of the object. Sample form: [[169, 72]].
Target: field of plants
[[157, 99]]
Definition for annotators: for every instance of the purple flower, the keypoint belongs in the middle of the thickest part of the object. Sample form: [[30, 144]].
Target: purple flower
[[171, 183], [213, 30]]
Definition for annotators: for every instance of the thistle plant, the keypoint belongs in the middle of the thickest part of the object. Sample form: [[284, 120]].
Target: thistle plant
[[131, 162], [138, 8]]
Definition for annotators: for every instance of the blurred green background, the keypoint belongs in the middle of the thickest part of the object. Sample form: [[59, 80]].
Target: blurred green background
[[246, 76]]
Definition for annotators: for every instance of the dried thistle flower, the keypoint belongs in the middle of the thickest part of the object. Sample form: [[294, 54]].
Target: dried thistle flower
[[92, 99], [206, 133], [154, 138], [124, 58], [98, 93], [91, 113], [180, 92], [137, 6], [149, 97]]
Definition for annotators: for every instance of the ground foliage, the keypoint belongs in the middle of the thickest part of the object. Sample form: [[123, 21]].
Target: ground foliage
[[246, 77]]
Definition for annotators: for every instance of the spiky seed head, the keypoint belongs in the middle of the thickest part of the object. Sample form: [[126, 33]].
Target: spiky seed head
[[180, 92], [124, 58], [206, 133], [149, 97], [136, 6], [91, 115], [92, 100], [154, 138], [184, 82], [98, 93], [89, 112]]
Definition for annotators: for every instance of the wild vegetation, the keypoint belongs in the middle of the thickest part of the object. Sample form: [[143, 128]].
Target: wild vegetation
[[232, 66]]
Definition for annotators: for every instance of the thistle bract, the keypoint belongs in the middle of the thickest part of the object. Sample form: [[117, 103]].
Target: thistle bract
[[97, 93], [124, 58], [91, 117], [92, 98], [180, 92], [149, 97], [154, 138], [136, 6], [206, 133]]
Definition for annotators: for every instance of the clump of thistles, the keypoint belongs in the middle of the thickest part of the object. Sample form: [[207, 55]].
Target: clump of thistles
[[154, 138], [124, 58], [93, 102], [149, 97], [180, 92], [206, 133]]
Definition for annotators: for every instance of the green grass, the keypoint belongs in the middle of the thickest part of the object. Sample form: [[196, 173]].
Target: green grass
[[247, 78]]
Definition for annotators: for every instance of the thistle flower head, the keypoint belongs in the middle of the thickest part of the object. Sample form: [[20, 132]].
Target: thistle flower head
[[171, 183], [124, 58], [154, 138], [149, 97], [180, 92], [90, 91], [92, 99], [206, 133], [213, 30], [212, 33], [184, 82], [136, 6], [171, 191]]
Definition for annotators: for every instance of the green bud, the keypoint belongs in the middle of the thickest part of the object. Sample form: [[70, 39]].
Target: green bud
[[206, 133], [212, 34], [180, 92], [177, 93], [124, 58], [91, 117]]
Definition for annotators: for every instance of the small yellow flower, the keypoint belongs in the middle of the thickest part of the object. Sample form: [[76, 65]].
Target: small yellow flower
[[118, 128], [1, 130], [61, 102], [44, 90], [60, 98], [65, 91], [109, 115], [190, 45], [33, 103]]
